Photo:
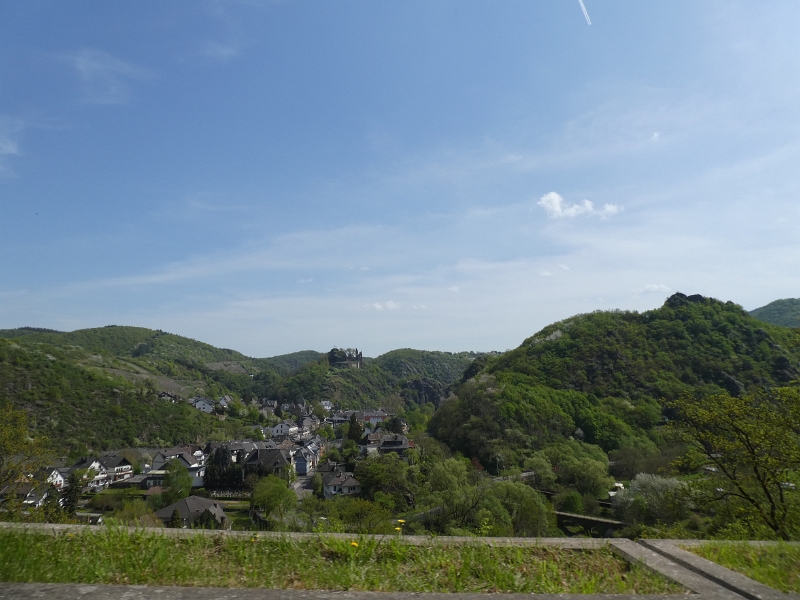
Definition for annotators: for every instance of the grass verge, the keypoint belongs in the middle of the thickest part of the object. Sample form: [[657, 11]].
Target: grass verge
[[144, 557], [777, 566]]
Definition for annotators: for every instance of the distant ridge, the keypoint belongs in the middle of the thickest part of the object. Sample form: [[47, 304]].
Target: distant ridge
[[98, 388], [785, 313], [604, 377]]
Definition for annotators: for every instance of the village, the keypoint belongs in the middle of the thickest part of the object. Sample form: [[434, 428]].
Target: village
[[301, 449]]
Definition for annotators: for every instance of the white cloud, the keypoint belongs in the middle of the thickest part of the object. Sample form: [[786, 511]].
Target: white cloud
[[545, 273], [9, 131], [105, 78], [455, 289], [388, 305], [653, 288], [556, 207], [221, 52], [564, 267]]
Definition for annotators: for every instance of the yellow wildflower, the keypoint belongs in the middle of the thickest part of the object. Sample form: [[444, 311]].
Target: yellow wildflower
[[398, 529], [355, 544], [401, 521]]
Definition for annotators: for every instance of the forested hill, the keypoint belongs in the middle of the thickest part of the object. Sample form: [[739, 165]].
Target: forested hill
[[785, 313], [689, 342], [116, 340], [444, 367], [74, 384], [289, 363], [75, 399], [605, 375]]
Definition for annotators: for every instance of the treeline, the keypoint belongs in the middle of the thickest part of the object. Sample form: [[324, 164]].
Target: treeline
[[603, 378], [79, 407]]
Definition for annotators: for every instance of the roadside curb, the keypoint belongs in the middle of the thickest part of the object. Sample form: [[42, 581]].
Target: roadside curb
[[722, 576], [638, 554], [69, 591]]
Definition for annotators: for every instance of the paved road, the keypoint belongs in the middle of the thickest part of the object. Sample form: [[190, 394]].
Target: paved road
[[302, 486]]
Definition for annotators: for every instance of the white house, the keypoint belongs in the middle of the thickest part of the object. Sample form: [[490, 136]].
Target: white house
[[118, 467], [340, 483], [284, 428], [327, 405], [191, 457], [57, 477], [92, 467], [204, 405]]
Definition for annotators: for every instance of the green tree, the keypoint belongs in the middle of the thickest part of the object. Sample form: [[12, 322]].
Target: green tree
[[388, 475], [753, 443], [272, 495], [355, 430], [177, 482], [326, 431], [175, 520], [361, 516], [71, 494], [20, 454], [319, 411], [587, 476], [531, 515]]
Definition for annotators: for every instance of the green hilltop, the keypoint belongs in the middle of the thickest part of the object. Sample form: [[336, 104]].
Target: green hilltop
[[75, 398], [785, 313], [603, 377], [97, 387], [600, 378]]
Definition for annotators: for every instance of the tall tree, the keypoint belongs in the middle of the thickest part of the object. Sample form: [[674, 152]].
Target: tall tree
[[175, 520], [272, 495], [71, 494], [355, 430], [20, 454], [177, 482], [752, 443]]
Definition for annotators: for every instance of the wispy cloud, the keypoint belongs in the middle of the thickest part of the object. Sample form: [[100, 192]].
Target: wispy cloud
[[556, 207], [221, 52], [10, 129], [388, 305], [653, 288], [105, 79]]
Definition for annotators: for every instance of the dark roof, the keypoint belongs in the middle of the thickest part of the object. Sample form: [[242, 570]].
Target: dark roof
[[272, 459], [393, 442], [341, 478], [191, 508], [113, 461], [84, 463]]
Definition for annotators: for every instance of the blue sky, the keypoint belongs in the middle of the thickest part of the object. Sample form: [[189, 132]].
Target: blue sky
[[450, 175]]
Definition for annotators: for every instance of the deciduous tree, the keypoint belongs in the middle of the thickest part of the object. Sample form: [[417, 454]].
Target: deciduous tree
[[752, 445]]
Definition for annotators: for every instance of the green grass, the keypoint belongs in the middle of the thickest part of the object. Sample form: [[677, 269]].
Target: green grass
[[777, 566], [120, 557]]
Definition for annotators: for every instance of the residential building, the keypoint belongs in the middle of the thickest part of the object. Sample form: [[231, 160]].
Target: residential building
[[191, 510], [340, 483], [269, 462], [393, 442], [118, 467], [284, 428]]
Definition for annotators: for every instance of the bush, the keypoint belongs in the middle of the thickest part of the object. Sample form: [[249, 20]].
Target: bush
[[571, 502], [651, 499]]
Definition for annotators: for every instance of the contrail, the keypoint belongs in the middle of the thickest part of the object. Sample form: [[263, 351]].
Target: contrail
[[585, 14]]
